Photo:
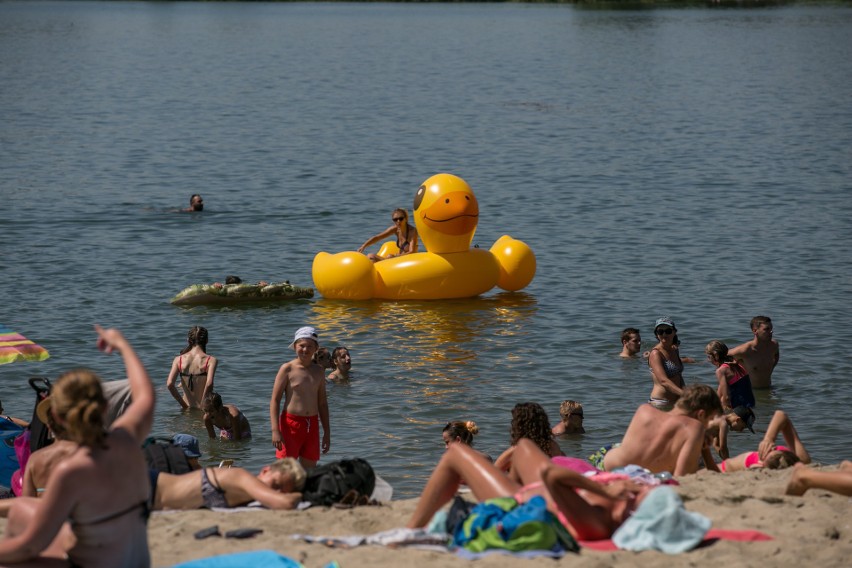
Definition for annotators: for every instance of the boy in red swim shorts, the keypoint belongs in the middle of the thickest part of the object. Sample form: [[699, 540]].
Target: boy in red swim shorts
[[295, 432]]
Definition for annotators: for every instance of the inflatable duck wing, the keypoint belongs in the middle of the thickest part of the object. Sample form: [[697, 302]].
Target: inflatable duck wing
[[446, 214]]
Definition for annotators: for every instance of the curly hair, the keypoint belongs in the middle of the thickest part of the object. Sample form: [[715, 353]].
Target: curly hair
[[463, 430], [78, 399], [196, 336], [529, 420]]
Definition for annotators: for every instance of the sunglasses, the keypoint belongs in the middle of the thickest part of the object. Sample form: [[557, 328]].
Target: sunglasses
[[398, 219], [666, 331]]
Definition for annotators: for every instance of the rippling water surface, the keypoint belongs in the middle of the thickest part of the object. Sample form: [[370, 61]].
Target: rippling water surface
[[690, 162]]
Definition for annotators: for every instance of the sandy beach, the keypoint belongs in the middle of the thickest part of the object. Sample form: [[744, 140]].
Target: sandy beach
[[813, 530]]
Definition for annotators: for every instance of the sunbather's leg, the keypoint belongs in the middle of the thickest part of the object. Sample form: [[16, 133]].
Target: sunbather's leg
[[805, 478], [584, 520], [460, 462]]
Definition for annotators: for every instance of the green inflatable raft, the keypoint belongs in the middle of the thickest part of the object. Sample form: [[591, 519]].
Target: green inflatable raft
[[201, 294]]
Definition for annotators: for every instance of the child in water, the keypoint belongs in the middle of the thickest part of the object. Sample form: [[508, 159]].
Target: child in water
[[232, 423]]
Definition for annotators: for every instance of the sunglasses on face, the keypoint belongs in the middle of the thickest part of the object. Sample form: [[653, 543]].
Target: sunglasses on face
[[666, 331], [398, 219]]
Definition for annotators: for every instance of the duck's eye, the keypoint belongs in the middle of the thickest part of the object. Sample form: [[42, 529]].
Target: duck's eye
[[418, 197], [467, 197], [446, 201]]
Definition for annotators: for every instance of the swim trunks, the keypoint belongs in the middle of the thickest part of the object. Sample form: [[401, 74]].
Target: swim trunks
[[213, 496], [661, 403], [300, 437]]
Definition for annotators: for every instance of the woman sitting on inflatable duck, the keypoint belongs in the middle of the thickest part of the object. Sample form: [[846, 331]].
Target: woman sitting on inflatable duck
[[446, 214], [406, 237]]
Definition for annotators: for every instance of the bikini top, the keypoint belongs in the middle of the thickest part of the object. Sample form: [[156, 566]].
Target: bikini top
[[672, 368], [404, 245], [190, 377]]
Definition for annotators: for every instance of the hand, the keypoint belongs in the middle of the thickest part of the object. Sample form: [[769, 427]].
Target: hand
[[276, 440], [361, 248], [622, 489], [765, 447], [109, 340], [326, 442]]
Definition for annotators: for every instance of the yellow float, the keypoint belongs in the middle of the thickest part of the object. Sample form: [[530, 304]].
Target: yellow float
[[446, 214]]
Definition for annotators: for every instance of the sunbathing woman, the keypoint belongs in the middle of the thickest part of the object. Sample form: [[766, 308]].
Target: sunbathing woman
[[529, 420], [195, 368], [768, 454], [102, 488], [274, 487], [232, 423], [588, 509]]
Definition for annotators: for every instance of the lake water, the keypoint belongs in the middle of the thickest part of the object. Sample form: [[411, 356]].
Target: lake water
[[691, 162]]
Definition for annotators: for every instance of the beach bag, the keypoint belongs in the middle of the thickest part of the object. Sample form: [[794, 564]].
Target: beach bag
[[502, 523], [165, 456], [329, 483]]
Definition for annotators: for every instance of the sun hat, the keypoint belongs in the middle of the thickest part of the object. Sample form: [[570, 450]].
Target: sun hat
[[665, 320], [189, 445], [747, 416], [306, 332], [43, 409]]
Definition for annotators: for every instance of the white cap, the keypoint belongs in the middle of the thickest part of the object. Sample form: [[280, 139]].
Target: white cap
[[306, 332]]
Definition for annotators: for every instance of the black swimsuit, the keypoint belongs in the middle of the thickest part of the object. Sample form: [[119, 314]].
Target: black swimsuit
[[190, 377], [404, 245]]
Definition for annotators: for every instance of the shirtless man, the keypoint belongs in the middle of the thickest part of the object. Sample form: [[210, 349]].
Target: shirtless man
[[195, 204], [668, 441], [274, 487], [631, 343], [295, 432], [760, 355]]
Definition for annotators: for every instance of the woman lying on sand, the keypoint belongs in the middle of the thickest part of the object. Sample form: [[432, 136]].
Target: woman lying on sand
[[101, 489], [768, 454], [210, 487], [588, 509]]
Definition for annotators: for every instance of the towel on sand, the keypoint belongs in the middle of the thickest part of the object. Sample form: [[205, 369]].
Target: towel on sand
[[662, 523]]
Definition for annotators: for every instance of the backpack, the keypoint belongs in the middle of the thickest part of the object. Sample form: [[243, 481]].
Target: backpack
[[327, 484], [502, 523], [164, 456]]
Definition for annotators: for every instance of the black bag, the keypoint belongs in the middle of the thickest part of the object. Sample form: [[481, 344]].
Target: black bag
[[164, 456], [327, 484]]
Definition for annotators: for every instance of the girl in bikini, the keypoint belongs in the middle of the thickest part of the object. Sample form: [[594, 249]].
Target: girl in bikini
[[768, 454], [195, 369], [94, 510], [665, 366], [406, 236]]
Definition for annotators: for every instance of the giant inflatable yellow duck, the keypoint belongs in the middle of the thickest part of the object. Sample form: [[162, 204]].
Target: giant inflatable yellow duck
[[446, 214]]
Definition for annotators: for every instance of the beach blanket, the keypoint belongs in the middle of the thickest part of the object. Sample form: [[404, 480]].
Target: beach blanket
[[417, 538]]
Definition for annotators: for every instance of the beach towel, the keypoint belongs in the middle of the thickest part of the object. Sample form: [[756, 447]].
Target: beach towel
[[710, 537], [265, 558], [503, 523], [662, 523]]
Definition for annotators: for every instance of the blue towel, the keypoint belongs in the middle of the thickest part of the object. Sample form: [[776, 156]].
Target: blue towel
[[661, 523], [252, 559]]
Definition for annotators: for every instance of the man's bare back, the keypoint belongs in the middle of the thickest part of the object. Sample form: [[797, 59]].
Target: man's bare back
[[659, 441]]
